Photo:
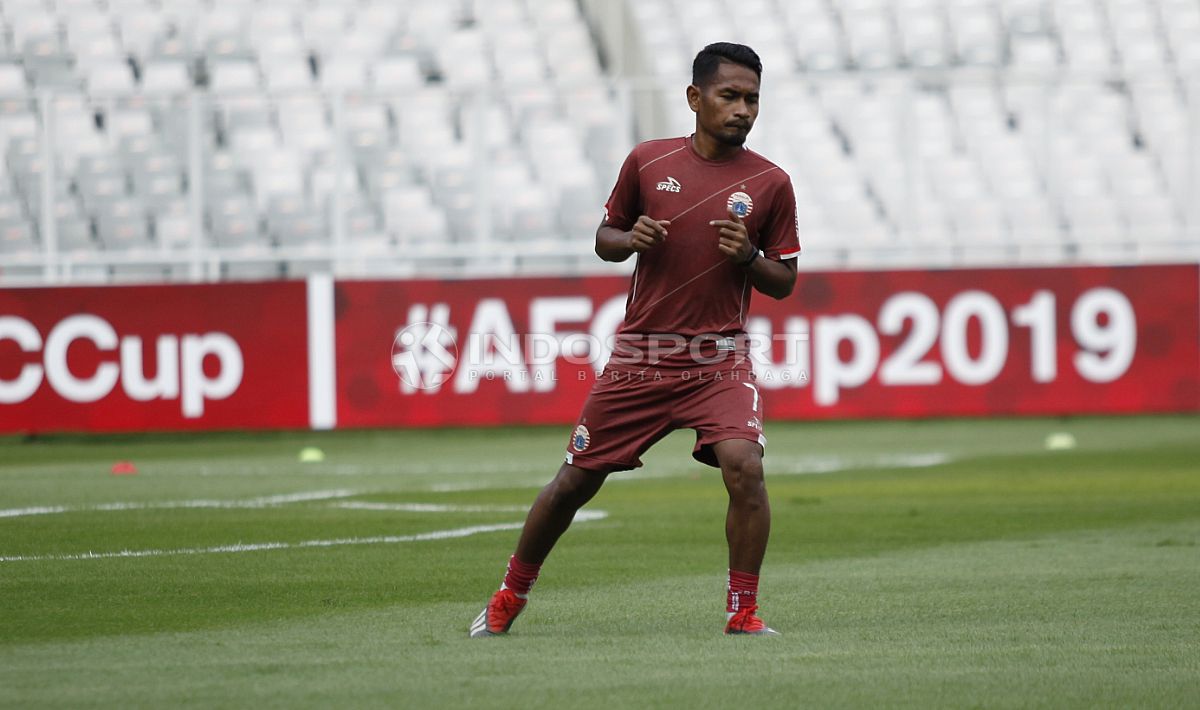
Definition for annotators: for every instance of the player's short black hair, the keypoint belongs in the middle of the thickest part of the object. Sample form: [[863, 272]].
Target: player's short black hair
[[704, 67]]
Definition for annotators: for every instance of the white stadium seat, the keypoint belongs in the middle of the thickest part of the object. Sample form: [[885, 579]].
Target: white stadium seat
[[110, 77], [234, 76], [392, 74], [168, 78]]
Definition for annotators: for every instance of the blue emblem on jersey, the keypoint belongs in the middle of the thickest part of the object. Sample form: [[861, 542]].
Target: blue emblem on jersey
[[740, 204]]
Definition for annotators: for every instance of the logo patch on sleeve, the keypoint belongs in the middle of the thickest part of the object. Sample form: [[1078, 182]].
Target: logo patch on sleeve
[[581, 439]]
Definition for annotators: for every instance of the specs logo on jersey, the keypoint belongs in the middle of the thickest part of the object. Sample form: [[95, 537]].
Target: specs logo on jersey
[[670, 185], [581, 439], [740, 204]]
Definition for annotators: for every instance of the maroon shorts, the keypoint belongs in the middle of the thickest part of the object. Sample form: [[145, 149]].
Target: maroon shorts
[[626, 413]]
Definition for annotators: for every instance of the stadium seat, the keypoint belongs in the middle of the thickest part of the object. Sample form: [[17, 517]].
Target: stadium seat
[[343, 74], [122, 224], [166, 78], [16, 236], [233, 221], [141, 30], [396, 73], [287, 74], [232, 76], [109, 77], [172, 224], [292, 221]]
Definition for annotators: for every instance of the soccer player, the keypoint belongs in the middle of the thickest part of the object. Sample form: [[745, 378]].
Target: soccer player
[[707, 220]]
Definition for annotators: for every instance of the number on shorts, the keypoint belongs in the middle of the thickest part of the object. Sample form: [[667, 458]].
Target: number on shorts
[[755, 391]]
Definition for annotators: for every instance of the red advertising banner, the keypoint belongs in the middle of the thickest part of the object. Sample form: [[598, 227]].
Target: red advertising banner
[[845, 344], [505, 351], [422, 353], [152, 358]]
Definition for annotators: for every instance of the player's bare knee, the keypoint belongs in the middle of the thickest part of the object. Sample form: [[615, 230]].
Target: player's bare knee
[[572, 488], [744, 478]]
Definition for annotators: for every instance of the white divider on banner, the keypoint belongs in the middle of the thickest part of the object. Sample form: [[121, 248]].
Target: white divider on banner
[[322, 377]]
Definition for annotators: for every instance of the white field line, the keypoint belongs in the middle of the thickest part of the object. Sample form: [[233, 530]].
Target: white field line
[[312, 469], [344, 469], [582, 516], [802, 466], [816, 463], [813, 465], [460, 486], [38, 510], [430, 507], [259, 502], [833, 464]]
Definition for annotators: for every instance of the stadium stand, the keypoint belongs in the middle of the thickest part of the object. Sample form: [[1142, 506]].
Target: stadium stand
[[964, 131], [172, 139]]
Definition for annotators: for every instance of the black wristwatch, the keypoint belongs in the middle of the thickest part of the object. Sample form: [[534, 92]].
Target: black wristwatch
[[750, 260]]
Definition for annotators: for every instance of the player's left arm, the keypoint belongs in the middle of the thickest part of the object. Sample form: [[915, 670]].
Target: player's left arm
[[774, 278], [773, 269]]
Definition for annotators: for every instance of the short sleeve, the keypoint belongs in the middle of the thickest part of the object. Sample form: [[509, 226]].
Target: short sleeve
[[624, 204], [781, 240]]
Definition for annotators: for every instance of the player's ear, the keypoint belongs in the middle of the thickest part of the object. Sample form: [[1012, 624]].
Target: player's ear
[[693, 97]]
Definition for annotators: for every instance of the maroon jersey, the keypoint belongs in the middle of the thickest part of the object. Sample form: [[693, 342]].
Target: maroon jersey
[[685, 286]]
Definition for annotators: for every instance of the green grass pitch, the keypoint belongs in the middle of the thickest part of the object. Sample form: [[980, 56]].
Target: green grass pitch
[[912, 564]]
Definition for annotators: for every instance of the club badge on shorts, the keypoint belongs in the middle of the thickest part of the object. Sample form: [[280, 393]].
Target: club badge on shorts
[[581, 438], [741, 204]]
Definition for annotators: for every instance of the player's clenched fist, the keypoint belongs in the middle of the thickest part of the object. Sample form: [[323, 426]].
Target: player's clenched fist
[[734, 242], [647, 233]]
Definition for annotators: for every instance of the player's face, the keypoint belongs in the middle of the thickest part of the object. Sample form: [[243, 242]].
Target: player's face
[[727, 106]]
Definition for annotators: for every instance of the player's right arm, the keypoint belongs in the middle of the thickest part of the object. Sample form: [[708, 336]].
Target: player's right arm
[[622, 234], [615, 244]]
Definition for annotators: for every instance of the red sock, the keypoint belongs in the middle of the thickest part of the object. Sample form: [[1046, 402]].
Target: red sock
[[743, 591], [520, 576]]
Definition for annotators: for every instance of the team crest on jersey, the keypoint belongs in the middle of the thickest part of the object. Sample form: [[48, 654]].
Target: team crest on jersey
[[741, 204], [581, 439]]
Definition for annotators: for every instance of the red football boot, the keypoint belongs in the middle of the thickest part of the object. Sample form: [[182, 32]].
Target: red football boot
[[500, 613], [746, 621]]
